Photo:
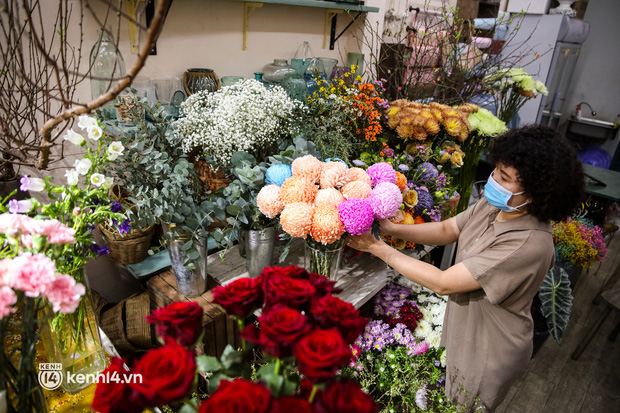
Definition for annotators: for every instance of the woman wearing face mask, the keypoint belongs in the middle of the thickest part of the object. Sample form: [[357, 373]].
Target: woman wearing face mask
[[505, 248]]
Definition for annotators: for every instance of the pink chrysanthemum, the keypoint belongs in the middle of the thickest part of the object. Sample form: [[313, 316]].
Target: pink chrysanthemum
[[326, 224], [334, 174], [269, 201], [356, 215], [329, 196], [358, 174], [385, 200], [356, 190], [308, 167], [381, 172], [296, 219], [298, 189]]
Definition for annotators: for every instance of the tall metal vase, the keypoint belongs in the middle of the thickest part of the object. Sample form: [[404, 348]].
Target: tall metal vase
[[259, 246], [190, 283]]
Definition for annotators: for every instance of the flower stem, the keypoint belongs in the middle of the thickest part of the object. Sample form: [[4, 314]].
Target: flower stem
[[277, 369], [241, 326], [312, 394]]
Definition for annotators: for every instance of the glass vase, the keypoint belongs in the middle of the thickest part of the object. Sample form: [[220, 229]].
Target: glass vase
[[73, 341], [323, 259], [106, 66], [464, 180]]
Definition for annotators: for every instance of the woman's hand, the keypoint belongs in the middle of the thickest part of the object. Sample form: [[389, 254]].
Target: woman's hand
[[364, 242], [386, 226]]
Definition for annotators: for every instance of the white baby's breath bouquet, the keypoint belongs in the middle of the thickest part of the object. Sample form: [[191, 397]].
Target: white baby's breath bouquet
[[243, 117], [513, 88]]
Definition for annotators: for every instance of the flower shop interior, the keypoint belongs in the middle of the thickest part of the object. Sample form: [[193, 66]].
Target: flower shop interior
[[184, 183]]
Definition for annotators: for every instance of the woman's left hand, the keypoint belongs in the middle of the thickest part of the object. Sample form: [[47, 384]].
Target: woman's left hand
[[364, 242]]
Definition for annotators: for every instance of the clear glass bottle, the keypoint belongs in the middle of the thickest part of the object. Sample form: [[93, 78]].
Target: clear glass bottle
[[275, 72], [106, 65]]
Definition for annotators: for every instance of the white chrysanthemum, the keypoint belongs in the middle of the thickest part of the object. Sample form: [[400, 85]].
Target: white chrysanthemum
[[434, 340]]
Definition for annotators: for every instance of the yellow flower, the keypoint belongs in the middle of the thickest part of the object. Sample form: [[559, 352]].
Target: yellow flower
[[398, 243], [408, 219], [419, 133], [444, 157], [454, 125], [410, 199], [456, 159], [432, 127]]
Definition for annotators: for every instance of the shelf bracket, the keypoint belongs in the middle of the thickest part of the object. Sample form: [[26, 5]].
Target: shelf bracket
[[332, 14], [248, 8]]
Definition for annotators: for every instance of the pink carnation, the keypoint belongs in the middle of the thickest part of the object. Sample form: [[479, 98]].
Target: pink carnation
[[64, 293], [296, 219], [381, 172], [308, 167], [385, 200], [55, 231], [7, 272], [356, 215], [7, 301], [329, 196], [358, 174], [12, 222], [269, 201], [33, 273], [334, 174], [356, 190]]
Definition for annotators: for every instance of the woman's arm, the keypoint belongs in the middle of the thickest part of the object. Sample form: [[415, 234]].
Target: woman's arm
[[456, 279], [429, 233]]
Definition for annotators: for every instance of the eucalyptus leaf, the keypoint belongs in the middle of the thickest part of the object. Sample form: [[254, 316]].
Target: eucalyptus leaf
[[230, 357], [233, 209], [556, 301], [214, 382]]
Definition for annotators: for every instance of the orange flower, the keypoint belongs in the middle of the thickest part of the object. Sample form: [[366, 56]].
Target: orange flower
[[298, 189], [419, 220], [401, 181], [296, 219], [326, 224]]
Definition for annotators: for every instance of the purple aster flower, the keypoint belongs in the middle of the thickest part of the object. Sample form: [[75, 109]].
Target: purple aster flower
[[116, 207], [427, 171], [403, 167], [359, 162], [100, 250], [385, 200], [356, 215], [437, 363], [440, 379], [381, 172]]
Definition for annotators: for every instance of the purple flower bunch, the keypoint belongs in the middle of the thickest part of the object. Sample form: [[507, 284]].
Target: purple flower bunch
[[378, 335], [357, 216], [390, 299]]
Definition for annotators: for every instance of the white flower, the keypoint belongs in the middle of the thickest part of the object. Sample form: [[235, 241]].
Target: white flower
[[73, 137], [540, 86], [95, 132], [31, 184], [83, 166], [108, 182], [115, 149], [72, 177], [20, 207], [85, 121], [97, 179]]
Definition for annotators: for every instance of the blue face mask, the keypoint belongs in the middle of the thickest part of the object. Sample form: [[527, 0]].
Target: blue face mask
[[498, 196]]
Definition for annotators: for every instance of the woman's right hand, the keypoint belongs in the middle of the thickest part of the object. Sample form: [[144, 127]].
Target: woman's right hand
[[386, 226]]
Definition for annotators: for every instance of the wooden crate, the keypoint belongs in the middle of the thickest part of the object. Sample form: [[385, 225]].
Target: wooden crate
[[220, 330]]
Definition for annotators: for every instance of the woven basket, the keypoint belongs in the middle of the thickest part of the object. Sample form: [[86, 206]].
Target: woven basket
[[137, 328], [112, 323], [130, 248], [213, 180]]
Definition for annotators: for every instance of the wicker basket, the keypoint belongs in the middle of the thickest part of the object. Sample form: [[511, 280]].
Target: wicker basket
[[197, 79], [130, 248], [138, 330], [213, 180]]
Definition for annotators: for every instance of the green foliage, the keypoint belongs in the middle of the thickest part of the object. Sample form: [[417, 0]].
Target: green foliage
[[556, 301]]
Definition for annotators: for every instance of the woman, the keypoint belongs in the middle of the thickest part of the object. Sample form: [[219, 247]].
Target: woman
[[505, 248]]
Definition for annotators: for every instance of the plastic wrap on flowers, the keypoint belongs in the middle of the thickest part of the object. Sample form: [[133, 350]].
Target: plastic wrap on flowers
[[269, 201], [381, 172], [309, 167], [326, 224], [356, 215], [329, 196], [356, 190], [427, 171], [296, 219], [358, 174], [425, 202], [385, 200], [277, 174], [298, 189], [334, 174]]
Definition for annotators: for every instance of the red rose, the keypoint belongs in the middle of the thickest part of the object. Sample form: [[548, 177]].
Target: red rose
[[321, 353], [345, 397], [290, 404], [323, 285], [305, 389], [237, 396], [113, 397], [180, 321], [292, 271], [330, 311], [167, 373], [241, 297], [280, 327], [282, 289]]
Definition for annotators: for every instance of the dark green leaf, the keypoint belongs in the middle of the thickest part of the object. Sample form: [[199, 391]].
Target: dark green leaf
[[233, 209], [230, 356], [214, 382], [208, 364], [556, 301]]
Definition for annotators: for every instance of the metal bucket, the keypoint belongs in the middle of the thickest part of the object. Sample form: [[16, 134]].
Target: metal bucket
[[259, 246], [190, 283]]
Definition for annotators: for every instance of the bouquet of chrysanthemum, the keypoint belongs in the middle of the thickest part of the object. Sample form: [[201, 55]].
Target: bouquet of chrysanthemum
[[578, 242], [320, 201]]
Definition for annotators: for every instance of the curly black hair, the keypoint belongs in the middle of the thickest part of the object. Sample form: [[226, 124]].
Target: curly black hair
[[548, 169]]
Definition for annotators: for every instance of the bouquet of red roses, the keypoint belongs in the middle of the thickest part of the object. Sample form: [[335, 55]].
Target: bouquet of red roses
[[304, 333]]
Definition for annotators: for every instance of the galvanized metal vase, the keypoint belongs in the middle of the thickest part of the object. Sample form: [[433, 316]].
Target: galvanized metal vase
[[259, 246], [190, 283]]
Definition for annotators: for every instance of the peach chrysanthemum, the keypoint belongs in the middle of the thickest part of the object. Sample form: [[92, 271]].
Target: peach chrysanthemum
[[419, 133], [298, 189], [296, 219], [269, 201], [431, 126], [326, 224], [404, 131], [329, 196], [357, 174], [449, 112], [307, 166], [356, 190], [437, 114], [401, 181], [454, 125], [399, 217], [333, 175]]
